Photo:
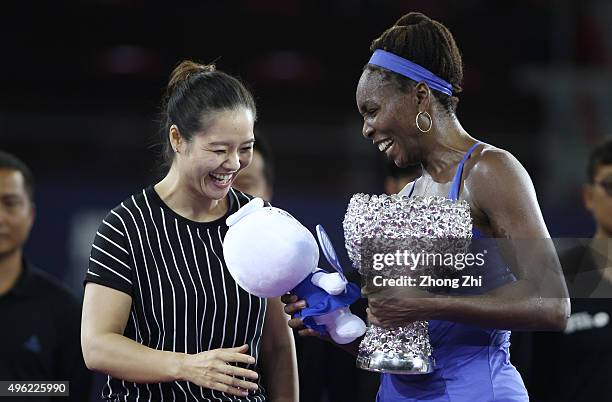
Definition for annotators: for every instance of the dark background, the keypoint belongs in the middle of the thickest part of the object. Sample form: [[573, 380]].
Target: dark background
[[81, 84]]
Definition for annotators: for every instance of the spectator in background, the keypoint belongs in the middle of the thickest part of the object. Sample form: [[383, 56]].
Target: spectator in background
[[575, 365], [39, 340], [257, 179], [397, 178]]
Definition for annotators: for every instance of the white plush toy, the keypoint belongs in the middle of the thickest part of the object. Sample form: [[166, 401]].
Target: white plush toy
[[270, 253]]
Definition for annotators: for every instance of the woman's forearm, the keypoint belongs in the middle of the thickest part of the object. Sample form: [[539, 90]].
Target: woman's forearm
[[123, 358], [517, 306], [280, 370], [279, 357]]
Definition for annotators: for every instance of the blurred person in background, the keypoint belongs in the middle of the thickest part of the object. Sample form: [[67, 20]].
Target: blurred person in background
[[575, 365], [257, 179], [407, 97], [39, 340], [398, 178], [162, 316]]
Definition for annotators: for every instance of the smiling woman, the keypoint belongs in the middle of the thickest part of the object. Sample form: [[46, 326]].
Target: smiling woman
[[162, 316], [407, 97]]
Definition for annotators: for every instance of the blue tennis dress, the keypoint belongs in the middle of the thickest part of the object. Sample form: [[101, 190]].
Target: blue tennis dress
[[472, 363]]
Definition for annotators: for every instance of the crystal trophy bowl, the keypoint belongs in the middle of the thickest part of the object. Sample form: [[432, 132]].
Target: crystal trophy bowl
[[391, 224]]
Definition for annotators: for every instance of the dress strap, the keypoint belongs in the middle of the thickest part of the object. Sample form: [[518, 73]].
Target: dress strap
[[412, 188], [453, 193]]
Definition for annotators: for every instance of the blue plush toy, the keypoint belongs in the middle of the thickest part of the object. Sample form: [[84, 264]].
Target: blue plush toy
[[270, 253]]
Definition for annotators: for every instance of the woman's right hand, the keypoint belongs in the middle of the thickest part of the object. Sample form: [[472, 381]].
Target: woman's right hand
[[212, 369], [292, 306]]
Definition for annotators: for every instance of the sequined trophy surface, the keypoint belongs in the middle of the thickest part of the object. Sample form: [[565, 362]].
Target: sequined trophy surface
[[381, 224]]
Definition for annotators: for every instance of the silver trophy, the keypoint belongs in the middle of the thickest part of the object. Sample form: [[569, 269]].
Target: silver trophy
[[383, 224]]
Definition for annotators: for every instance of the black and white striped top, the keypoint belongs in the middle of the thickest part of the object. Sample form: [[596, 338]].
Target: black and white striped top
[[183, 297]]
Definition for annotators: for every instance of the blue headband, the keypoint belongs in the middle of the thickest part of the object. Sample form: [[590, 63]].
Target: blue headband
[[411, 70]]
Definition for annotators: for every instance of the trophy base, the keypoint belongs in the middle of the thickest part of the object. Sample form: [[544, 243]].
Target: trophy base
[[381, 363]]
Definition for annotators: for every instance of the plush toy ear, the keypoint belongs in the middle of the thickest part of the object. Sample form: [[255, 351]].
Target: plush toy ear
[[252, 206], [328, 250]]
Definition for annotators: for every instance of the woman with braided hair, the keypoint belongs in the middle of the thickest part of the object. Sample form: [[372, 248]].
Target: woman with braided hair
[[407, 95]]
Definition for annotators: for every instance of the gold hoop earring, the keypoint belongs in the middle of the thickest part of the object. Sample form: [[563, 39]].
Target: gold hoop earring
[[416, 120]]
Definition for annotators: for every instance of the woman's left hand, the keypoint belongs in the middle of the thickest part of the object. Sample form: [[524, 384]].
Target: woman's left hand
[[396, 308]]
